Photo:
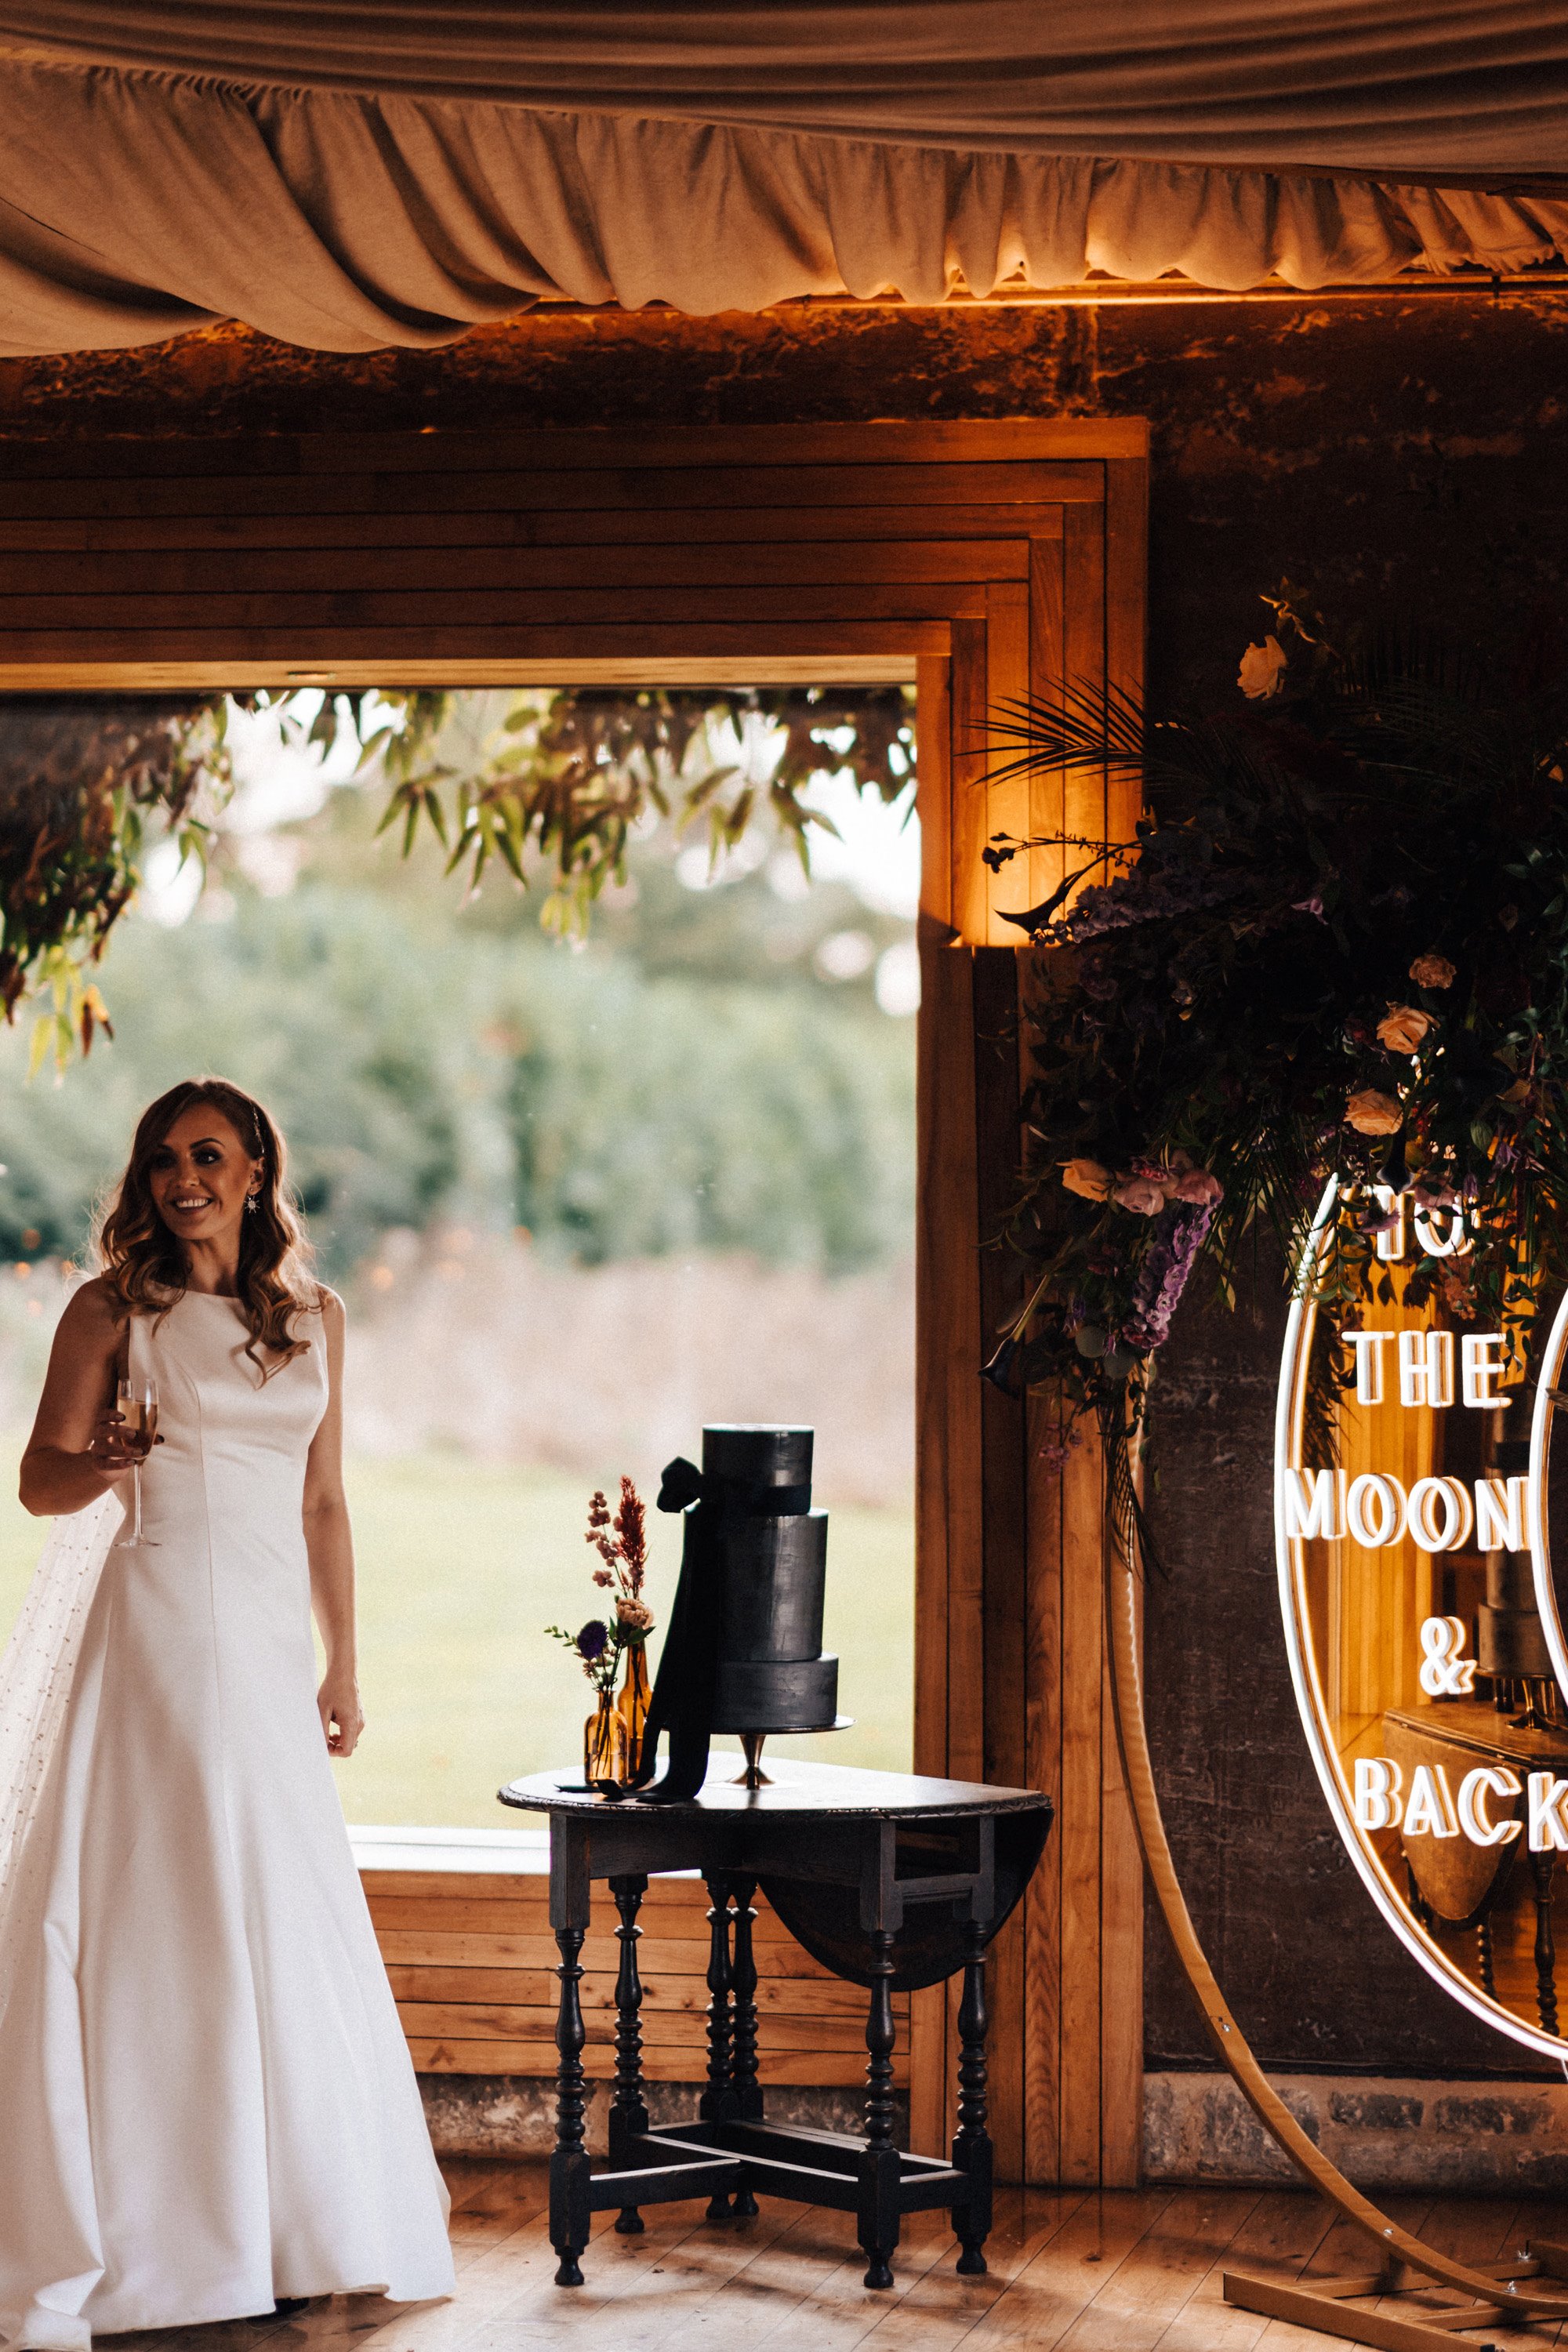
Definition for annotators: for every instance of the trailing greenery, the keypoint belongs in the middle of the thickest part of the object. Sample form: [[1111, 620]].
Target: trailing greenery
[[1337, 948], [544, 781], [564, 777], [82, 779]]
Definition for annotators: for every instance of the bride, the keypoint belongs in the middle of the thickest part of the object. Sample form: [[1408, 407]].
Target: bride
[[208, 2107]]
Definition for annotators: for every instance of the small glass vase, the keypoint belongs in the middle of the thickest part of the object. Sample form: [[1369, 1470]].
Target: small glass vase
[[605, 1745], [633, 1703]]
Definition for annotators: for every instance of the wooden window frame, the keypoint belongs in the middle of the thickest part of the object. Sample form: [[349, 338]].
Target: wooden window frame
[[982, 561]]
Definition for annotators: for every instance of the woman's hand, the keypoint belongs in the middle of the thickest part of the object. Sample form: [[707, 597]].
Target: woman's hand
[[107, 1447], [342, 1717]]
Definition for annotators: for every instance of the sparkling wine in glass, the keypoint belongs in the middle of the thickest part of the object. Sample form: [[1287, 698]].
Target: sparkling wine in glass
[[136, 1403]]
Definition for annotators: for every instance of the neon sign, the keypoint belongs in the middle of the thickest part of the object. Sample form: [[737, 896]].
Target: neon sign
[[1426, 1632]]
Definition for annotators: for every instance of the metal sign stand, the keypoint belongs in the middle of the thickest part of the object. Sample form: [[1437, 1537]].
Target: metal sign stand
[[1495, 2297]]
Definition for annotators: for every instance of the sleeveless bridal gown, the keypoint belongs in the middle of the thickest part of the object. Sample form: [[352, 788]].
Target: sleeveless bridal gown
[[206, 2097]]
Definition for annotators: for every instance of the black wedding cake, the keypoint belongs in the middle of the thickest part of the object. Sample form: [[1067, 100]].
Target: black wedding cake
[[772, 1673], [743, 1650]]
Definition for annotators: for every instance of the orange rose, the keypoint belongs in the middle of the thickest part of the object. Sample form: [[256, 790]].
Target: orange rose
[[1403, 1028], [1371, 1113], [1262, 667], [1432, 972], [1086, 1177]]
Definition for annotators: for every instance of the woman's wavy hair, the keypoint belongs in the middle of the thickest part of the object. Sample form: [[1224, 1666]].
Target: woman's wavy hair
[[142, 1261]]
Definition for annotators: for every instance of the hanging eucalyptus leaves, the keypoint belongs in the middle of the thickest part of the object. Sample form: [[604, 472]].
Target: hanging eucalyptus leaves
[[544, 784]]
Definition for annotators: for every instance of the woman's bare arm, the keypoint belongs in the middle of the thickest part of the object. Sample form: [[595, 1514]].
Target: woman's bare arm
[[329, 1543], [75, 1454]]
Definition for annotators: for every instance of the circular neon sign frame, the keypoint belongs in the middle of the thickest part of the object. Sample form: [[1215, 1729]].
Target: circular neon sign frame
[[1290, 1558]]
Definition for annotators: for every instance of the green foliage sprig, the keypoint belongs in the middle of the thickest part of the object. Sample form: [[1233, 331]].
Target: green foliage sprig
[[1337, 947], [557, 779], [80, 778], [562, 777]]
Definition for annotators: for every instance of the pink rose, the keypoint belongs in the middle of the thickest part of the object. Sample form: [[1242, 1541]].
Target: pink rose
[[1145, 1198], [1403, 1028], [1371, 1113], [1198, 1188]]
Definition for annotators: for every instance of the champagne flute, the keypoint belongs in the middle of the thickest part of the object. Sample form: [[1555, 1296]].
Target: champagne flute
[[136, 1403]]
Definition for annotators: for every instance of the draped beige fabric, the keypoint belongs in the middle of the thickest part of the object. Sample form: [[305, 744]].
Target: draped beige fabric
[[347, 175], [1466, 85]]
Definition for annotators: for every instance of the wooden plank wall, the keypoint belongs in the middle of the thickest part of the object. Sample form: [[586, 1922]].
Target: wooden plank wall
[[472, 1963], [980, 559], [1012, 1564]]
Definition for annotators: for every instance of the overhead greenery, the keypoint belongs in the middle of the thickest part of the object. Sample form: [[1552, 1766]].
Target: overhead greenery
[[551, 785], [1337, 947], [564, 777]]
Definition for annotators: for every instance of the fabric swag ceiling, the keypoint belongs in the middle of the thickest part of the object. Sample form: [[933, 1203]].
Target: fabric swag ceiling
[[347, 176]]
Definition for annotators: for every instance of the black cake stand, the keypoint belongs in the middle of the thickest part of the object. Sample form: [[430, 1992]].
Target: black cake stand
[[890, 1880]]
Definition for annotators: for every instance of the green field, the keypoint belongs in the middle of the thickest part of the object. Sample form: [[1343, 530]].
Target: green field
[[462, 1567]]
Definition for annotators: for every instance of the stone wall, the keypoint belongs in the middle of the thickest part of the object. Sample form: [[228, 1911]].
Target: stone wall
[[1398, 456]]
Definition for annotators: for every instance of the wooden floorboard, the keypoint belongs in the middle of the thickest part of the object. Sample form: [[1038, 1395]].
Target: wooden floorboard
[[1072, 2270]]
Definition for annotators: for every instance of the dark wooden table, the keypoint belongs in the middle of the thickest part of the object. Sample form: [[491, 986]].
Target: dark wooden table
[[892, 1881], [1461, 1882]]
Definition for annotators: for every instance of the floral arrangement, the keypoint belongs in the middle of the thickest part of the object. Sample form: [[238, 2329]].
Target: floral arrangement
[[1337, 947], [621, 1543]]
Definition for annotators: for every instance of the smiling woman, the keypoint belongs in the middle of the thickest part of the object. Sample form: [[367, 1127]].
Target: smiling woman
[[170, 1847]]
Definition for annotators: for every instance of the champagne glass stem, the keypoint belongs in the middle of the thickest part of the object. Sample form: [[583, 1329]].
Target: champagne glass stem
[[136, 1521]]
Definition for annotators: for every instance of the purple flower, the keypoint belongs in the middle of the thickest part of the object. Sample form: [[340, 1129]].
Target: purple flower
[[1162, 1276], [1312, 906], [591, 1641]]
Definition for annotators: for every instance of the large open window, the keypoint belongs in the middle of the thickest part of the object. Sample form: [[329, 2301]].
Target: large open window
[[978, 562], [581, 1193]]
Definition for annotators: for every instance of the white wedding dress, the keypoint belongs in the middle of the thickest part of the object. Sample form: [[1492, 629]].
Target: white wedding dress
[[206, 2097]]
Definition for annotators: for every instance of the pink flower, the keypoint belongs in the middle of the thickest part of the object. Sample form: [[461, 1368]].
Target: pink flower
[[1371, 1113], [1403, 1028], [1140, 1194], [1198, 1187]]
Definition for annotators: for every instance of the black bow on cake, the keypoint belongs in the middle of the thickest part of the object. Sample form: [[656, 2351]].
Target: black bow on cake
[[684, 1688]]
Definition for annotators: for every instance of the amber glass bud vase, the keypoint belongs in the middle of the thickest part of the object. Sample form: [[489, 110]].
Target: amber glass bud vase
[[604, 1745], [633, 1701]]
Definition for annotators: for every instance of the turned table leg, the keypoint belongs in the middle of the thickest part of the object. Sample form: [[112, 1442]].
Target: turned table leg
[[971, 2142], [717, 2105], [748, 2097], [628, 2109], [569, 2209], [877, 2213], [1544, 1869]]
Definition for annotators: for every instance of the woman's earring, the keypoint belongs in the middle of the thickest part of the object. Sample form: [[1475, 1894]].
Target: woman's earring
[[251, 1205]]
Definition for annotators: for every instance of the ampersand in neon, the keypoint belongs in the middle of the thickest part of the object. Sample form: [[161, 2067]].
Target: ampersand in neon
[[1445, 1673]]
